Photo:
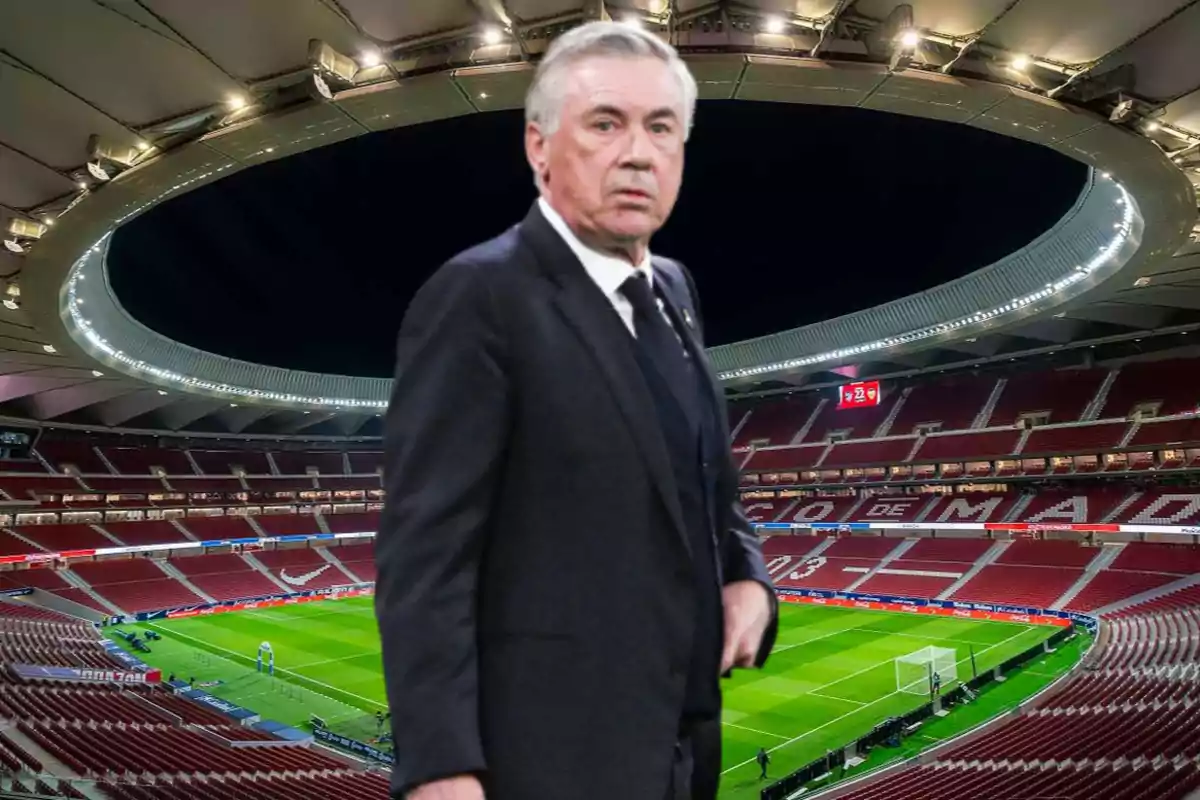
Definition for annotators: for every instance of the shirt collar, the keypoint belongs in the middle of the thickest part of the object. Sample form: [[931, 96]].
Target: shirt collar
[[608, 272]]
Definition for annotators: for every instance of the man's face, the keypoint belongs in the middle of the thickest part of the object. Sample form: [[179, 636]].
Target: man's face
[[614, 165]]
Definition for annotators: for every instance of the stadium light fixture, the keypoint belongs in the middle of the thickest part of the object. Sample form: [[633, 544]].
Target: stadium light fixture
[[370, 58], [492, 36], [909, 39], [21, 233], [10, 304], [162, 392], [775, 25], [236, 102], [1020, 63], [49, 348], [1153, 127], [97, 373]]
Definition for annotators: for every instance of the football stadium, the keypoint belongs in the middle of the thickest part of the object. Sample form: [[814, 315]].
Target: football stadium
[[978, 496]]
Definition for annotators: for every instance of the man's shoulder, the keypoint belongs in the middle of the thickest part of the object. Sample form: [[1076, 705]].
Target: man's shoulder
[[498, 254]]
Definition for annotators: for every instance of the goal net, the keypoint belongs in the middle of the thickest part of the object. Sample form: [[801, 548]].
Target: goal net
[[920, 672]]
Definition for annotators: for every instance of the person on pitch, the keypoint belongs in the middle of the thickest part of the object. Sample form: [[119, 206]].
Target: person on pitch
[[565, 569]]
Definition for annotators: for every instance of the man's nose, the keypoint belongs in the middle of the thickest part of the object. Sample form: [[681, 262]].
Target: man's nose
[[639, 150]]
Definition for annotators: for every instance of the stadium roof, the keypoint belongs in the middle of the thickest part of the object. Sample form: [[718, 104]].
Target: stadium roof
[[112, 106]]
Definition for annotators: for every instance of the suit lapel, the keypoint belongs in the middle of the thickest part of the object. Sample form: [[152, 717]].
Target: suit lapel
[[591, 317]]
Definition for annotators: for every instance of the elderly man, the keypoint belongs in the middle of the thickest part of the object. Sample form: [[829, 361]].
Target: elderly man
[[564, 568]]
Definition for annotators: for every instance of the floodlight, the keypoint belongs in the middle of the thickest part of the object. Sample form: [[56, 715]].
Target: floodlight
[[1020, 63], [910, 39], [492, 36], [775, 25]]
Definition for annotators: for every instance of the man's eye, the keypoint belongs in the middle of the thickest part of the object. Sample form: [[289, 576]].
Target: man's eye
[[603, 125], [660, 127]]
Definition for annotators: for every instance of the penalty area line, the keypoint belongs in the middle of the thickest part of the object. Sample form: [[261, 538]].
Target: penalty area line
[[811, 731], [753, 730], [304, 678]]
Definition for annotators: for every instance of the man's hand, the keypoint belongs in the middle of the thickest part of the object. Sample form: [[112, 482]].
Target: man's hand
[[747, 614], [460, 787]]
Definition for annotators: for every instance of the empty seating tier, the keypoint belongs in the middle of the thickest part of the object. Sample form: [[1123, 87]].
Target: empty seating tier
[[1037, 587], [1062, 395], [1048, 553], [359, 559], [1074, 439], [1177, 559], [957, 550], [965, 446], [288, 524], [771, 422], [226, 577], [358, 522], [877, 451], [135, 584], [1109, 586], [953, 401]]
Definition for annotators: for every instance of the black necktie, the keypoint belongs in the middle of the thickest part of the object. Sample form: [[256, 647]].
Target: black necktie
[[656, 338]]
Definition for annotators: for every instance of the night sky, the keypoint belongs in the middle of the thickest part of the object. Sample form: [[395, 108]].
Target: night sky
[[789, 215]]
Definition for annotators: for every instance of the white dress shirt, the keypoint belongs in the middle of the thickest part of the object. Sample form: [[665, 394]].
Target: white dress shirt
[[608, 272]]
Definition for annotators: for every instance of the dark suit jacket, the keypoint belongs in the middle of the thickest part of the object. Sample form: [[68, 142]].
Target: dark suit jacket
[[535, 595]]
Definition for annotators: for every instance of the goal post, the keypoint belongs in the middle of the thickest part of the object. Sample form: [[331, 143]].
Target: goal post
[[921, 671]]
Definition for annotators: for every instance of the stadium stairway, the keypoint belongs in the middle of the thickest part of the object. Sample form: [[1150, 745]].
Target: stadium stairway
[[896, 552], [100, 530], [73, 578], [171, 570], [191, 460], [993, 553], [322, 525], [34, 547], [184, 532], [985, 414], [1107, 555], [258, 565], [104, 460], [1120, 507], [337, 563], [1018, 508], [50, 764], [253, 523]]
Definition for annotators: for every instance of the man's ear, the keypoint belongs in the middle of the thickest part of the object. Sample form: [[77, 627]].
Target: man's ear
[[537, 152]]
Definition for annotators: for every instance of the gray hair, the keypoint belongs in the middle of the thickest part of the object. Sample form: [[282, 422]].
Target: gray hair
[[543, 104]]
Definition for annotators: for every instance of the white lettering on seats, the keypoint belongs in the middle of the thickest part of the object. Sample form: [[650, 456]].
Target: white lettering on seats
[[893, 509], [1073, 509], [960, 508], [814, 511], [767, 509], [1169, 509], [809, 566]]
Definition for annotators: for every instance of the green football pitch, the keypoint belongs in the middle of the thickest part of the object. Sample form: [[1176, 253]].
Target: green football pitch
[[831, 678]]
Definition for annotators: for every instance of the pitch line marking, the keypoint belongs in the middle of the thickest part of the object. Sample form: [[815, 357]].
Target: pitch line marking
[[874, 630], [753, 730], [807, 733], [204, 645], [840, 699], [334, 661]]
